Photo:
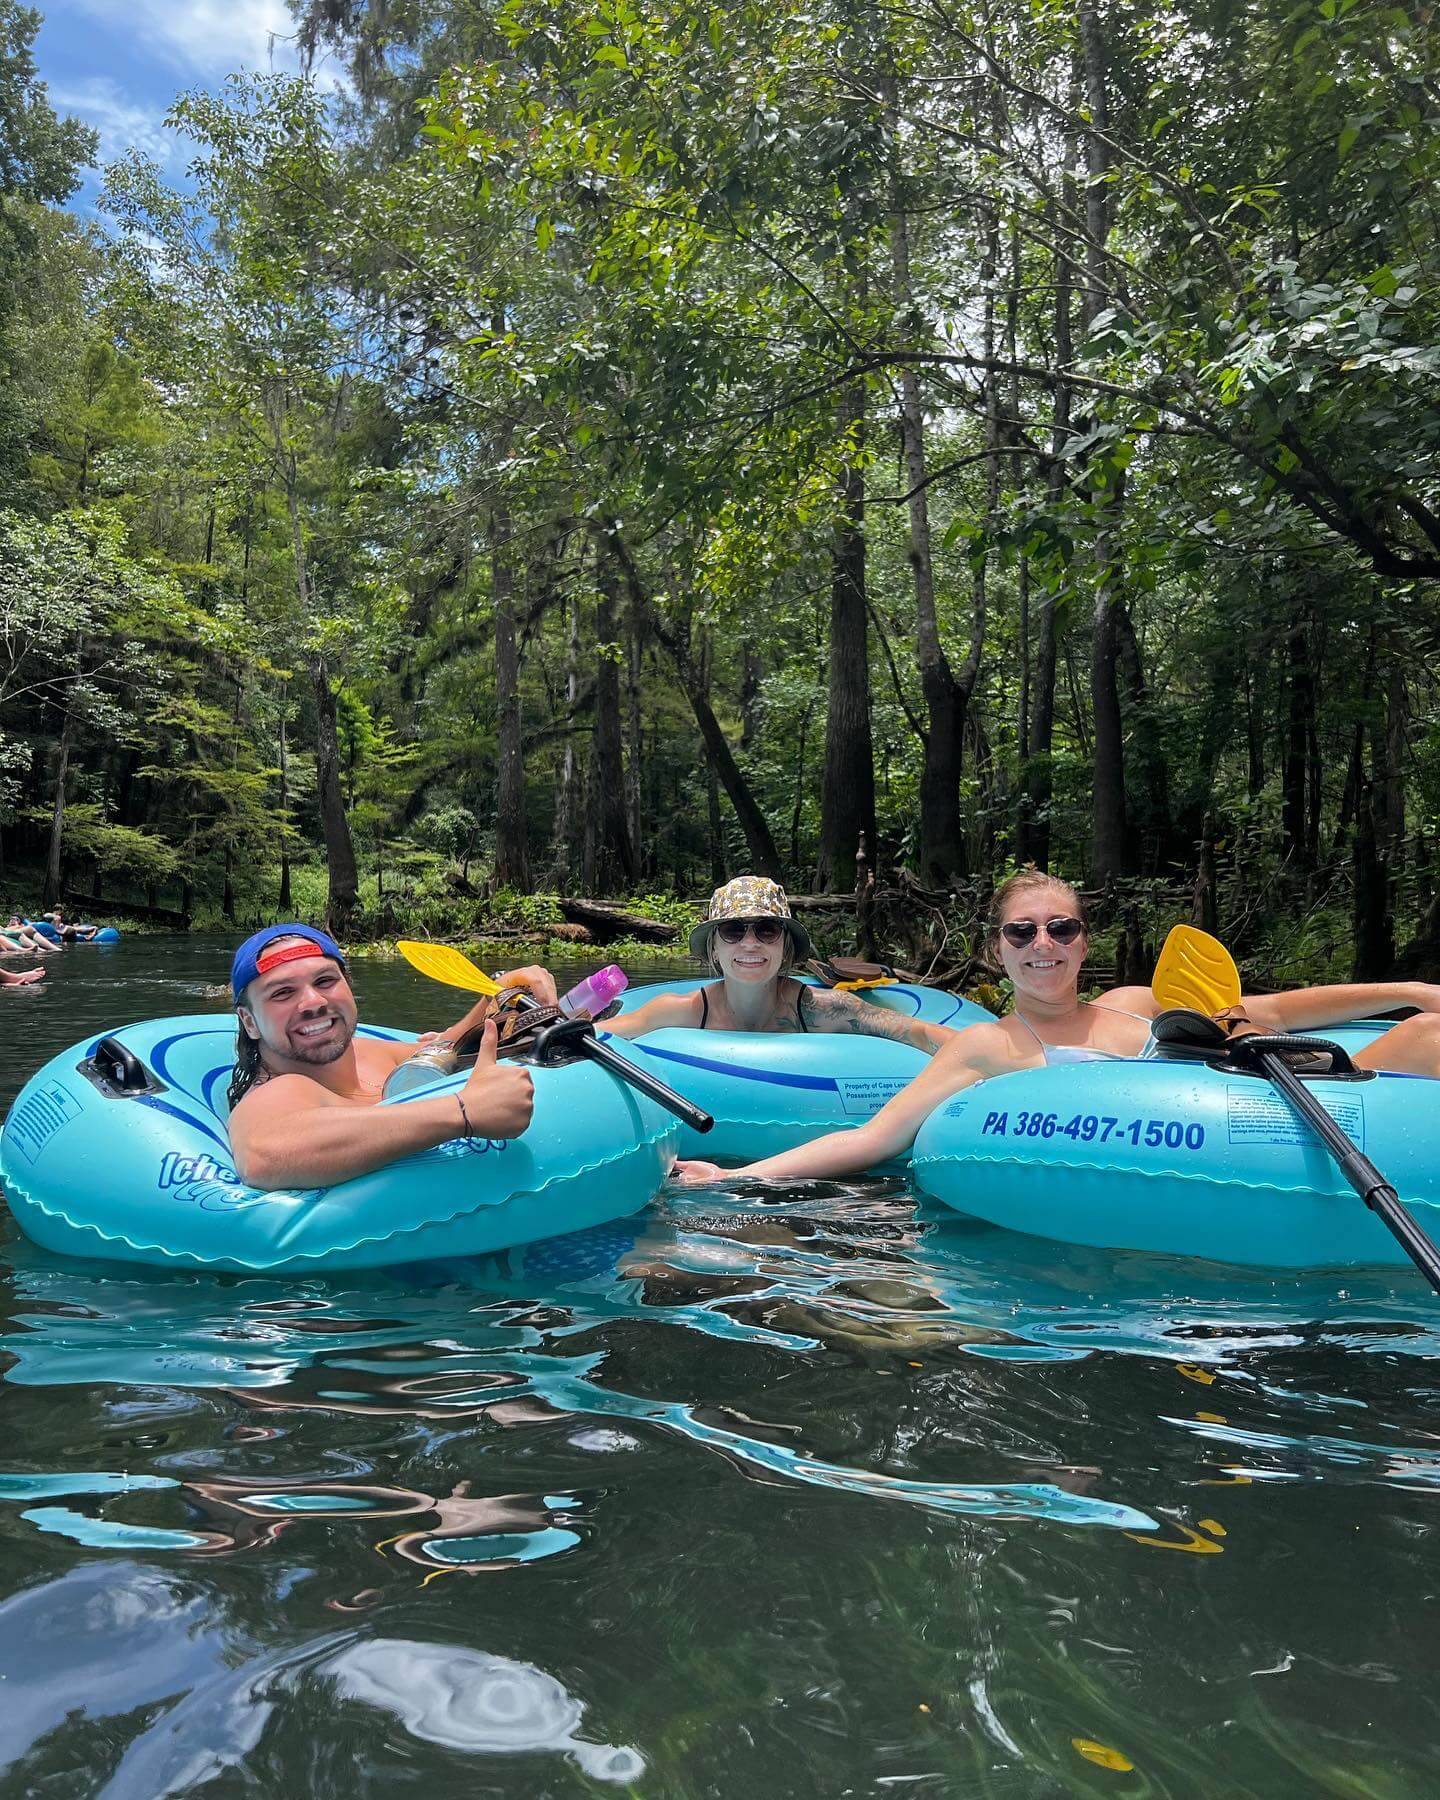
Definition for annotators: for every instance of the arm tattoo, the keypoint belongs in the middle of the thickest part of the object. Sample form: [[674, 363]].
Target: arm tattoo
[[862, 1018]]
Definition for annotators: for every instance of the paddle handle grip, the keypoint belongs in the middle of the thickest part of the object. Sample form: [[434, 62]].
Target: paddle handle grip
[[1359, 1171]]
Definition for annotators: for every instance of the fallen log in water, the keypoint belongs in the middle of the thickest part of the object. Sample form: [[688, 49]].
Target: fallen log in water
[[606, 920], [82, 905], [821, 902]]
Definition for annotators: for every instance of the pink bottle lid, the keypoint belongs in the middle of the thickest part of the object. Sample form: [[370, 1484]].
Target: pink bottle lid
[[596, 992]]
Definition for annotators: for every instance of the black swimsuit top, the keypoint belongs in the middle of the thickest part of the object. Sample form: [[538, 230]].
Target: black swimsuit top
[[705, 1008]]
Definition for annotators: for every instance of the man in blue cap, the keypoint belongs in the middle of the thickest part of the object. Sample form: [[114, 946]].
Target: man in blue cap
[[303, 1097]]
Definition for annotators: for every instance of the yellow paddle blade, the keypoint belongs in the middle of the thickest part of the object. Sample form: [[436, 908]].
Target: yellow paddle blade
[[442, 963], [1195, 971]]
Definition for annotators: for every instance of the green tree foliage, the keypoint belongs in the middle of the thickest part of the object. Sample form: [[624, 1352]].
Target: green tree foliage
[[40, 159], [619, 443]]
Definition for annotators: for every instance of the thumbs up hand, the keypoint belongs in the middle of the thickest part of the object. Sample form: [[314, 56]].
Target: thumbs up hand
[[499, 1097]]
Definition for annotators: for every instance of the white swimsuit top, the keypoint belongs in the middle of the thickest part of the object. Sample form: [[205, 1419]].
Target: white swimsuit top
[[1056, 1054]]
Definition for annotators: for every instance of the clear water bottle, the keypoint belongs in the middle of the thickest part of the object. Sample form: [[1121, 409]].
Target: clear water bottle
[[433, 1063], [592, 996]]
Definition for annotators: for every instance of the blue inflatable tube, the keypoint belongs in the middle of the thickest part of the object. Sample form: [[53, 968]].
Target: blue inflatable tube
[[769, 1091], [107, 934], [146, 1176], [1185, 1160]]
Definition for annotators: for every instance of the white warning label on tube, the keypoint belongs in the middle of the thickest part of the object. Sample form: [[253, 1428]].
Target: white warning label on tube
[[1258, 1115], [866, 1094]]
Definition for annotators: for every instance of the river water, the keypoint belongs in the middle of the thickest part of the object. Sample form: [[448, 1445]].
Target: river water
[[808, 1493]]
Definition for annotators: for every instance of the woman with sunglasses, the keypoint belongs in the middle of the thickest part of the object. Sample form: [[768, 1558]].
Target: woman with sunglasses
[[750, 939], [1040, 937]]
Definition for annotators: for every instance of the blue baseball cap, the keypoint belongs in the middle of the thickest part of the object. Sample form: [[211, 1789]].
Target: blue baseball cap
[[246, 963]]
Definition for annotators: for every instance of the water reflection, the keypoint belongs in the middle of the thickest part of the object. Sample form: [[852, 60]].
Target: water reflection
[[865, 1456], [521, 1343], [463, 1532], [468, 1700], [184, 1691]]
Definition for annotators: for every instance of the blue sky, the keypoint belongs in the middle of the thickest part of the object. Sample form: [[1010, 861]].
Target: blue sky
[[118, 64]]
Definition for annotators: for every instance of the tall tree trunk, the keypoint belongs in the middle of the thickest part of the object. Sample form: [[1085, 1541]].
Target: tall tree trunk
[[567, 850], [1095, 74], [1315, 771], [1294, 809], [339, 846], [942, 853], [1107, 843], [1254, 738], [284, 901], [1107, 837], [1374, 924], [512, 835], [798, 808], [1037, 773], [980, 582], [987, 811], [1204, 910], [1216, 729], [344, 878], [614, 852], [187, 879], [55, 856], [1390, 822], [227, 898], [1350, 793], [718, 872], [847, 788], [751, 673], [763, 857], [635, 735], [1107, 832], [1022, 576], [1155, 831]]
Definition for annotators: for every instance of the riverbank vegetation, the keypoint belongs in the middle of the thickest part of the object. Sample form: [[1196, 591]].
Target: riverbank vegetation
[[606, 446]]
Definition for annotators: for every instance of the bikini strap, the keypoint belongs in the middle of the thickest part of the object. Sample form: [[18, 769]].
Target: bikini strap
[[1017, 1014], [800, 1005], [1120, 1012], [704, 1006]]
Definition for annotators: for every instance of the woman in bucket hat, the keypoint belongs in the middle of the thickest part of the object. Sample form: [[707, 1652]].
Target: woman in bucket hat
[[751, 940]]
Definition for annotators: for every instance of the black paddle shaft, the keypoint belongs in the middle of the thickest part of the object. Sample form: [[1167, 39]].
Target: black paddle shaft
[[1357, 1168], [684, 1110], [578, 1037]]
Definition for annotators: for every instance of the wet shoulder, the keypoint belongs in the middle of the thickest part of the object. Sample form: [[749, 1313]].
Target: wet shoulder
[[995, 1047], [282, 1094]]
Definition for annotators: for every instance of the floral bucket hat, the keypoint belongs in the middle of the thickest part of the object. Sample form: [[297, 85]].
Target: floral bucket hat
[[749, 897]]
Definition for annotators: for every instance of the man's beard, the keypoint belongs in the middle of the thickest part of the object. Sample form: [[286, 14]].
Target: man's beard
[[319, 1055]]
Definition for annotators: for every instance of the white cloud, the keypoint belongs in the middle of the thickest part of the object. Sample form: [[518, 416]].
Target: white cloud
[[123, 125], [209, 38]]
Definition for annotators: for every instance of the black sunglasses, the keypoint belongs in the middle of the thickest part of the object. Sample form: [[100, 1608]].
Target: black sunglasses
[[1020, 932], [732, 931]]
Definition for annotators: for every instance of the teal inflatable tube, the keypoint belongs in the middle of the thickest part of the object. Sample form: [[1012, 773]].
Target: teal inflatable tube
[[141, 1172], [769, 1091], [1185, 1160], [932, 1005]]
